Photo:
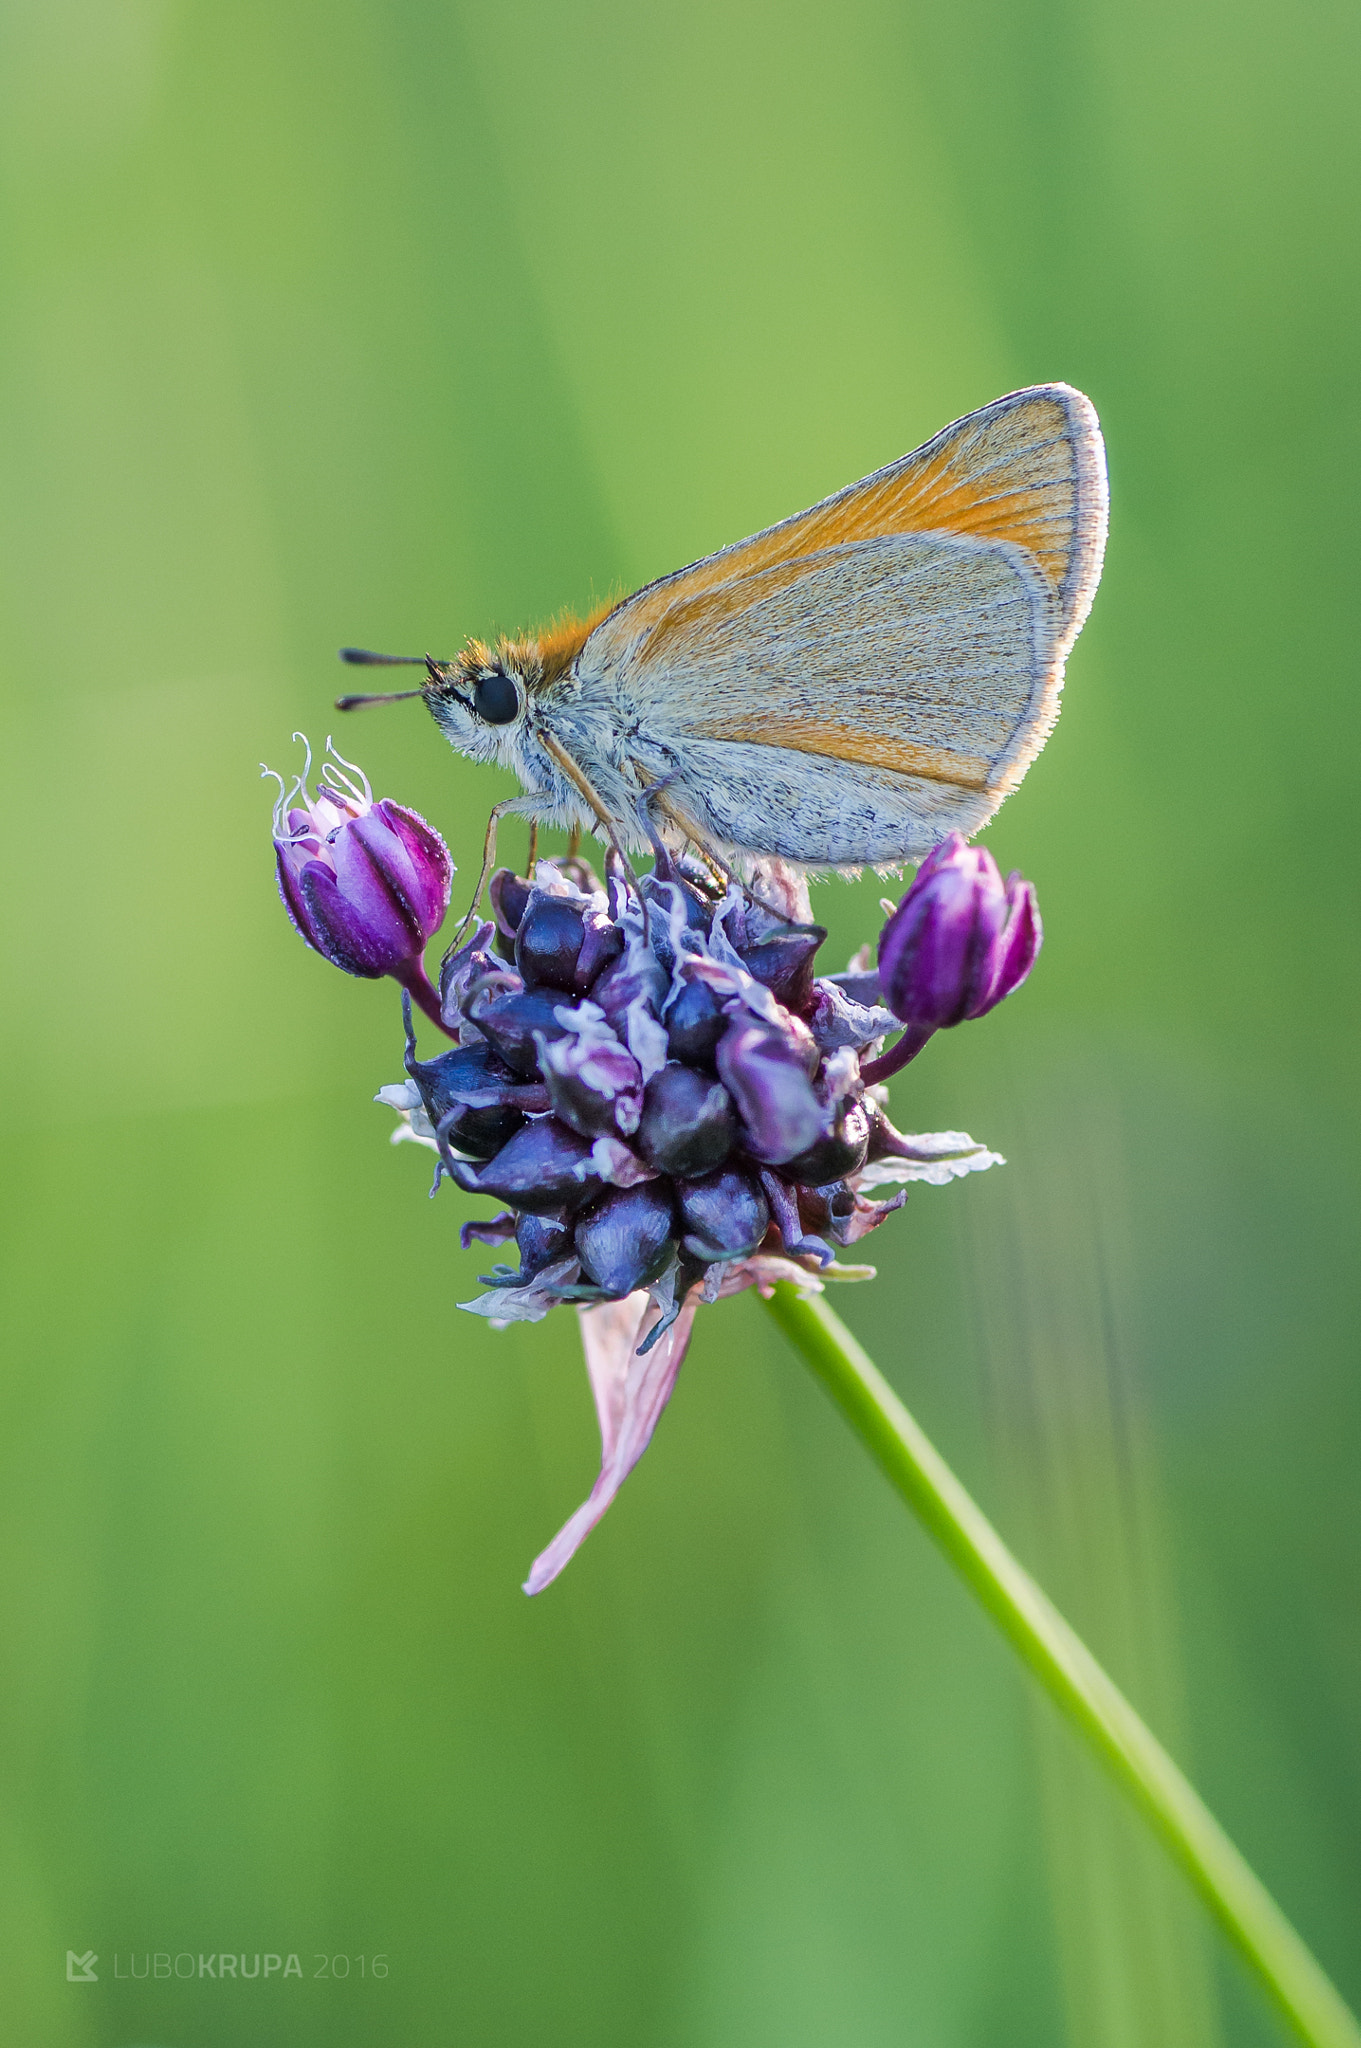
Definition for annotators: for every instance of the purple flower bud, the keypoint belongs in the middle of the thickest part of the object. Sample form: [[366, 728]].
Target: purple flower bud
[[688, 1123], [960, 939], [595, 1083], [723, 1215], [765, 1069], [544, 1167], [958, 942], [624, 1239], [367, 884]]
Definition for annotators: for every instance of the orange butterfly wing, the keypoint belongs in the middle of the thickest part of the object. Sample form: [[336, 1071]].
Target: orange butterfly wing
[[1025, 473], [1029, 469]]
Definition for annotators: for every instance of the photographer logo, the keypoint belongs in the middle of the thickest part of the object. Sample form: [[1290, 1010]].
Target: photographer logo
[[162, 1966]]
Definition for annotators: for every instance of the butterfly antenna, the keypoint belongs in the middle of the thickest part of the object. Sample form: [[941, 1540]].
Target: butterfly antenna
[[364, 657], [357, 703]]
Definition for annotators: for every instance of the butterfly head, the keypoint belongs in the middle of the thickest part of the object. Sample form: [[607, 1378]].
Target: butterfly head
[[479, 700], [484, 700]]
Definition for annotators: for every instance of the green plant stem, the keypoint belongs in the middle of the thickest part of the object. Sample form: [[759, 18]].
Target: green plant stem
[[1068, 1672]]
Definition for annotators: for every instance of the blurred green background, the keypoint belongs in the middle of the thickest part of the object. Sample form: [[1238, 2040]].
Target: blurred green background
[[394, 320]]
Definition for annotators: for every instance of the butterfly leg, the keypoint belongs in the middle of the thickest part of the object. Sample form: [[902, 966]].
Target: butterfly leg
[[650, 801], [722, 875], [488, 856], [581, 782], [644, 806], [709, 853], [532, 857]]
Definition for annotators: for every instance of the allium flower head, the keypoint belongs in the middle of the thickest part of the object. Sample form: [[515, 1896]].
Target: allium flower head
[[670, 1105]]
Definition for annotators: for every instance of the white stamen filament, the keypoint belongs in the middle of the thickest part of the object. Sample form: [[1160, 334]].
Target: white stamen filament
[[339, 780], [280, 820]]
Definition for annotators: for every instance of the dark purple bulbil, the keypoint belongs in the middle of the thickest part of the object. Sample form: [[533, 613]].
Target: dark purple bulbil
[[540, 1240], [694, 1024], [765, 1068], [723, 1215], [508, 894], [466, 1094], [625, 1239], [508, 1019], [689, 1124], [564, 945], [545, 1169], [840, 1152]]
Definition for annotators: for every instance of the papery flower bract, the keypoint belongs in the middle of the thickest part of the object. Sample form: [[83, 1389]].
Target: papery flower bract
[[960, 940], [366, 884]]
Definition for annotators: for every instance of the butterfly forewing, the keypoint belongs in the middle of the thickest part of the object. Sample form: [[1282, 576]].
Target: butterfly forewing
[[914, 623]]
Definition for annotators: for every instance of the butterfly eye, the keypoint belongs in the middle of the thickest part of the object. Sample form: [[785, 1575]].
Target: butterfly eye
[[495, 698]]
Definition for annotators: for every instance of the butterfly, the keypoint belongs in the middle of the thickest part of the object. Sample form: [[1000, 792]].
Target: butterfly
[[843, 689]]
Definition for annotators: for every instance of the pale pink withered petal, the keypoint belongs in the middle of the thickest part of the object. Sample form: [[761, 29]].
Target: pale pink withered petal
[[630, 1394]]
